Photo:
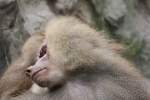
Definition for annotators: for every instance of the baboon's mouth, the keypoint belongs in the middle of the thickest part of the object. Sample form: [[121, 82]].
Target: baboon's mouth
[[38, 72], [43, 51]]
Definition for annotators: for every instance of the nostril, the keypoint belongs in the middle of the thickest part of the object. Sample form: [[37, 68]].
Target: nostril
[[28, 72]]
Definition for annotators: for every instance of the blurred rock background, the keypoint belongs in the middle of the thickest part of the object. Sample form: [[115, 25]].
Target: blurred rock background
[[125, 21]]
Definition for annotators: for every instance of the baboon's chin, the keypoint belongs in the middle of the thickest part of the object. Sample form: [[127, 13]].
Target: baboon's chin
[[41, 80], [42, 83], [51, 86]]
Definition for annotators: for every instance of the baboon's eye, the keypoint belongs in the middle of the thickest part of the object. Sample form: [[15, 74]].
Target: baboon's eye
[[43, 51]]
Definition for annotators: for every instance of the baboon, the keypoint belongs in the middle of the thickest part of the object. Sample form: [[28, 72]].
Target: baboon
[[14, 81], [76, 63]]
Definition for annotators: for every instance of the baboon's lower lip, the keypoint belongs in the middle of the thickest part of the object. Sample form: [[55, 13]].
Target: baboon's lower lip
[[35, 74]]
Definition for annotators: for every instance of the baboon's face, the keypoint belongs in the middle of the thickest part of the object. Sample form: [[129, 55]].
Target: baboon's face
[[45, 72]]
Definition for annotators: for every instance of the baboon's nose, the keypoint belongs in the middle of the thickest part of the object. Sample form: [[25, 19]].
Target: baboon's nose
[[28, 72]]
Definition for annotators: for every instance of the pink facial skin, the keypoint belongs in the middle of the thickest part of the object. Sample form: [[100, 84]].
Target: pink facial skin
[[45, 72]]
